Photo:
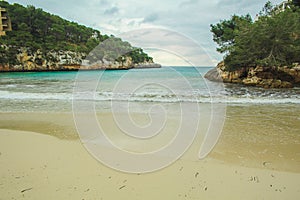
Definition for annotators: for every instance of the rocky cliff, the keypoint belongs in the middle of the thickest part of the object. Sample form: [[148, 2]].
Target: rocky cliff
[[266, 77], [65, 61]]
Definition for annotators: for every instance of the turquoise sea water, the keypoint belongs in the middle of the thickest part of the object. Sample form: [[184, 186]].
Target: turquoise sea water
[[53, 91]]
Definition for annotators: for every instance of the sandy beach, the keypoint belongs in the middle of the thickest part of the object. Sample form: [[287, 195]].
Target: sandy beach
[[42, 157], [135, 100]]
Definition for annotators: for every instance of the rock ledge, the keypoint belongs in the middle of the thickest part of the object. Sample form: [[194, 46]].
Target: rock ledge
[[266, 77]]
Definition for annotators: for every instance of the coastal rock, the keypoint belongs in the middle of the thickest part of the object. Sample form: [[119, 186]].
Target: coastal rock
[[50, 61], [252, 81], [214, 75], [219, 73], [67, 60], [266, 77], [294, 72]]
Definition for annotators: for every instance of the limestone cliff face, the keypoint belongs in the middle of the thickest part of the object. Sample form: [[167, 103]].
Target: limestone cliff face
[[266, 77], [64, 61]]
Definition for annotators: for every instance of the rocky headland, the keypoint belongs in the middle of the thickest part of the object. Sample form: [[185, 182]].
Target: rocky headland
[[67, 61], [41, 41], [265, 77]]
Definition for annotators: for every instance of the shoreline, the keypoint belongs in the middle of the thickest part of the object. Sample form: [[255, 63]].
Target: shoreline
[[41, 156], [260, 146]]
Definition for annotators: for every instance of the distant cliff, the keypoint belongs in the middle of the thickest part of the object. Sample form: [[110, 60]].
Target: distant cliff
[[27, 60], [40, 41]]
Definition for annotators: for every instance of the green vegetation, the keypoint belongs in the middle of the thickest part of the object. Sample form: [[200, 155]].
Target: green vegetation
[[115, 49], [272, 40], [35, 29]]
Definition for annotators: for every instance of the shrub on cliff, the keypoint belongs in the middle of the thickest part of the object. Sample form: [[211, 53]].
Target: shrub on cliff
[[272, 40]]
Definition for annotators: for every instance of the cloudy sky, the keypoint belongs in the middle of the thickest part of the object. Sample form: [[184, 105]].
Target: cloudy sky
[[184, 20]]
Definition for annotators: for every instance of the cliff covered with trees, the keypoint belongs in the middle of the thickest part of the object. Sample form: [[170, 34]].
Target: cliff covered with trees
[[264, 52], [43, 41]]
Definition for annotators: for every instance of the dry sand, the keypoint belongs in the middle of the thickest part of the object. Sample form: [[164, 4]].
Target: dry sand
[[41, 157]]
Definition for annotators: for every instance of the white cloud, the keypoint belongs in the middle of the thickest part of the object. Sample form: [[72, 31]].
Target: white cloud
[[167, 58], [168, 45]]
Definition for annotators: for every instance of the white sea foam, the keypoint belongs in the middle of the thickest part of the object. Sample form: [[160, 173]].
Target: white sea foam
[[34, 96], [154, 97]]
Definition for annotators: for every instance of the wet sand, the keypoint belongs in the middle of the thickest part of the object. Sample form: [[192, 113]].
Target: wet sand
[[266, 136], [257, 157]]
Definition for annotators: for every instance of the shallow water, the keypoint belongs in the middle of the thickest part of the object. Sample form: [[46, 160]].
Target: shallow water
[[54, 91]]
